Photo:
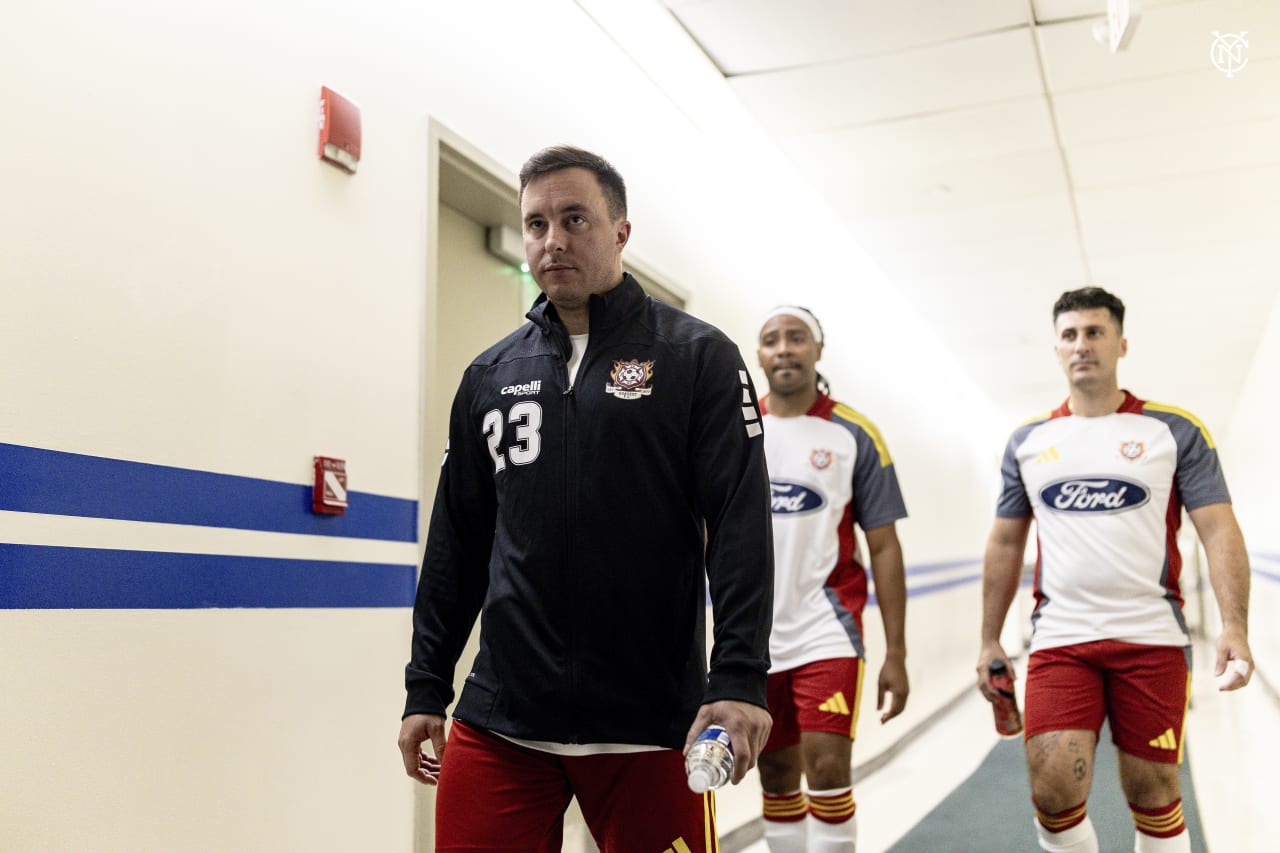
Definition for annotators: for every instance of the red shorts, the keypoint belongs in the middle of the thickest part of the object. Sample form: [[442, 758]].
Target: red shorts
[[497, 795], [1142, 691], [822, 696]]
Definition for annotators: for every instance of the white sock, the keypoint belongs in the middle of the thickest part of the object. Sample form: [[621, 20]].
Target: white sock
[[786, 837], [1078, 839], [1180, 843], [832, 837]]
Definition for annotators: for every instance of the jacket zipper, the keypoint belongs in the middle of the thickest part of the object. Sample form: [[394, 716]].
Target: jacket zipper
[[570, 467]]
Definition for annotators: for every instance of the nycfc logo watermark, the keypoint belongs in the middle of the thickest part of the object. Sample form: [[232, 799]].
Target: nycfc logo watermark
[[1227, 52], [794, 498], [1093, 494]]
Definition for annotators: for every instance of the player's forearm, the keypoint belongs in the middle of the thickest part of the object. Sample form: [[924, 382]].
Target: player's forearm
[[1228, 563], [1001, 571], [1229, 575], [891, 595]]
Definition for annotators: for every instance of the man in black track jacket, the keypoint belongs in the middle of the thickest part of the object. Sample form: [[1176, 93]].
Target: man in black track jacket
[[603, 460]]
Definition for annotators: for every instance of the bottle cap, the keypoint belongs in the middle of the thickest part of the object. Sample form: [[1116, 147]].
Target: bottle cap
[[699, 780], [996, 665]]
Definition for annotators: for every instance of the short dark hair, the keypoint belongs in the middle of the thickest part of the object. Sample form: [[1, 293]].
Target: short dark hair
[[1090, 297], [558, 157]]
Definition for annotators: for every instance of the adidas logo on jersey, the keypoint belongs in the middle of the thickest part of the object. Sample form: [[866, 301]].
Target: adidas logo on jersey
[[678, 846], [1050, 455], [836, 704], [1165, 741]]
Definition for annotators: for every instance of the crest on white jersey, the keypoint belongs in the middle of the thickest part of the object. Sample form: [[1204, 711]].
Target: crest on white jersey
[[1132, 449], [820, 458], [630, 379]]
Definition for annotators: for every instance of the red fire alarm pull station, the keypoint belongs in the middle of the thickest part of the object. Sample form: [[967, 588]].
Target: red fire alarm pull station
[[329, 496], [339, 130]]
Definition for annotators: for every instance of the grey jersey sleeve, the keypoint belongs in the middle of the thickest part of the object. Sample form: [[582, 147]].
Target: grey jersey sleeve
[[1199, 478], [1014, 502]]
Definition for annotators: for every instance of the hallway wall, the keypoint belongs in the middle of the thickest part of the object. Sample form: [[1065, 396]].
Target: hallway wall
[[195, 306], [1252, 461]]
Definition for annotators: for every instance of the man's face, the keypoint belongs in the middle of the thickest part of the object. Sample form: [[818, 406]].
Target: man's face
[[573, 245], [1088, 346], [789, 355]]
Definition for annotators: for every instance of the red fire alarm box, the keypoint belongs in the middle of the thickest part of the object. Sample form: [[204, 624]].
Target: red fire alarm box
[[339, 130], [329, 496]]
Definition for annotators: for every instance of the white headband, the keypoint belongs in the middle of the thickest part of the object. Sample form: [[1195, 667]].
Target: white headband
[[800, 314]]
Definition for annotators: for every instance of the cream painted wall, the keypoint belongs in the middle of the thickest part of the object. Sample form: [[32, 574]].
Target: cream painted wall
[[185, 284], [1252, 460], [201, 730]]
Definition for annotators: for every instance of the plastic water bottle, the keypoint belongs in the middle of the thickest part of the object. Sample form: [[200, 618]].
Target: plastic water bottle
[[710, 760], [1008, 717]]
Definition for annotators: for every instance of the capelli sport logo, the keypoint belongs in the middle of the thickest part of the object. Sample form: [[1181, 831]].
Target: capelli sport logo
[[1094, 494], [525, 390]]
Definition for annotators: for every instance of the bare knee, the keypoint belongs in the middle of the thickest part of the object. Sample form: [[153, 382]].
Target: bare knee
[[780, 770], [828, 760], [1061, 768], [1148, 784], [829, 771]]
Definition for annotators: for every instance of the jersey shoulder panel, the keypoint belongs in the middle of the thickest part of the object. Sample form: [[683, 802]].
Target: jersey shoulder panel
[[1180, 421], [855, 422], [1024, 429]]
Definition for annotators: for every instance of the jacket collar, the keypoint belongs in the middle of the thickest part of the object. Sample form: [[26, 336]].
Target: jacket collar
[[608, 309]]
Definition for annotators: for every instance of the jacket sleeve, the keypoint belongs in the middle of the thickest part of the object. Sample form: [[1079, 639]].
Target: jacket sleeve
[[733, 495], [455, 565]]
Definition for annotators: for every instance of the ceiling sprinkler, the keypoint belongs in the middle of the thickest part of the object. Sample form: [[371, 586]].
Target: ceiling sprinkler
[[1117, 30]]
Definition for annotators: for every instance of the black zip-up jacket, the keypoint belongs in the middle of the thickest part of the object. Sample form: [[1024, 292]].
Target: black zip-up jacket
[[574, 516]]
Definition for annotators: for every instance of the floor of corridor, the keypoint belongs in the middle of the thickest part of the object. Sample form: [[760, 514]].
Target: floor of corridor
[[1232, 738]]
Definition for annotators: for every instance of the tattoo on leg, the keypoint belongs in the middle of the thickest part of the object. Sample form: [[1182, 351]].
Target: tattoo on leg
[[1045, 744], [1080, 768]]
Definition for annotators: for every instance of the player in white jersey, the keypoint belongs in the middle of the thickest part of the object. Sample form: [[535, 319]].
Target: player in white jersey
[[1105, 477], [829, 469]]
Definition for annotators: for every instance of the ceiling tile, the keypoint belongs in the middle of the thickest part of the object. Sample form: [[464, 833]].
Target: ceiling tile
[[1008, 127], [933, 265], [749, 36], [1202, 150], [923, 187], [1176, 103], [1169, 40], [1189, 211], [1015, 220], [965, 73], [1057, 10]]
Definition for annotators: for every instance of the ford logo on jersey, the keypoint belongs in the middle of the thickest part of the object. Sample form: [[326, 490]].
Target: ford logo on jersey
[[794, 498], [1094, 494]]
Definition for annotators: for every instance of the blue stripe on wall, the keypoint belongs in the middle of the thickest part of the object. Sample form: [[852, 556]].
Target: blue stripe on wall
[[55, 577], [58, 483], [930, 568], [923, 589]]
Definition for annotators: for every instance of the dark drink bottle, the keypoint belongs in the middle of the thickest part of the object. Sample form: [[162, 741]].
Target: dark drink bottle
[[1008, 718]]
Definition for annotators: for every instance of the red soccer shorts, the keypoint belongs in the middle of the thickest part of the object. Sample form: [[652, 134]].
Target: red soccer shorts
[[497, 795], [822, 696], [1141, 690]]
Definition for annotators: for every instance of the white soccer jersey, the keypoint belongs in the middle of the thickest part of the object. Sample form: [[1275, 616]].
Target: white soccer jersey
[[1107, 496], [828, 470]]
